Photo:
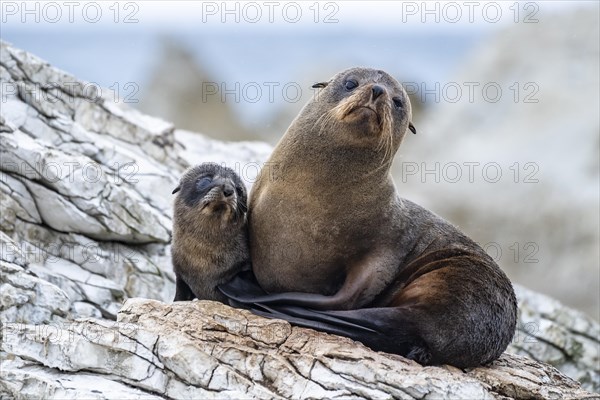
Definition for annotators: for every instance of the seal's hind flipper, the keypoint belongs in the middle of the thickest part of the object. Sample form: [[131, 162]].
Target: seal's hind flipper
[[362, 325], [267, 312], [311, 318], [244, 292], [382, 329], [334, 327]]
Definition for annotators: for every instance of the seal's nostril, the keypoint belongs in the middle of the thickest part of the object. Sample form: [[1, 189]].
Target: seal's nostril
[[227, 190], [377, 91]]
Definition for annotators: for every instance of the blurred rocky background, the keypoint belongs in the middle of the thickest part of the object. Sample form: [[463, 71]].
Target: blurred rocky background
[[180, 90]]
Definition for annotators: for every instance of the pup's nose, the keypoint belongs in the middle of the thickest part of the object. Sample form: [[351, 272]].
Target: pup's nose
[[227, 190], [377, 91]]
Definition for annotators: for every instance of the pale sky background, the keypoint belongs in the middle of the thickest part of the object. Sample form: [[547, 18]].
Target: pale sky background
[[393, 31], [194, 15]]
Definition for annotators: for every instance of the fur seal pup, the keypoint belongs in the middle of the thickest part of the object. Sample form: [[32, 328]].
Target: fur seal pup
[[337, 249], [210, 237]]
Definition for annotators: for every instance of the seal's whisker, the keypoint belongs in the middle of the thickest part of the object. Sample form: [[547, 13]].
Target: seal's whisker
[[386, 141], [325, 121]]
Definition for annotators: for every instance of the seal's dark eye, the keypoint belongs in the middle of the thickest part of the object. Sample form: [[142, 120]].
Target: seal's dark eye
[[350, 84], [239, 191], [203, 183], [397, 102]]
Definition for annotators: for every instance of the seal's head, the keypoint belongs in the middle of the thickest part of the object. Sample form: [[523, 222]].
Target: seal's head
[[209, 191], [370, 105]]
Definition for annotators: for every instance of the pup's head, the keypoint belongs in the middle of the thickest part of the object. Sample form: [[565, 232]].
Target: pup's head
[[209, 191]]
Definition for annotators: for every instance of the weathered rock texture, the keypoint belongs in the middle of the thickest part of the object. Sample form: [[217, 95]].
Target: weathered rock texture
[[207, 350], [86, 191], [85, 215]]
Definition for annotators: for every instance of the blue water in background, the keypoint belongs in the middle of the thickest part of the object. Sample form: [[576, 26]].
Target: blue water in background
[[106, 57]]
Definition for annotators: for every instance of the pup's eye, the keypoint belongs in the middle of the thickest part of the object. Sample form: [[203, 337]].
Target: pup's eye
[[350, 84], [239, 191], [397, 102], [203, 183]]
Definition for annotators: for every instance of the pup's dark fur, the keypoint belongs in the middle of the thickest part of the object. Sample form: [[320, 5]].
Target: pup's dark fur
[[210, 239]]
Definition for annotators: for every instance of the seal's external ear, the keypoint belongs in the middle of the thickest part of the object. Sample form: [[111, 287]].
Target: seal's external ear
[[320, 85], [177, 189], [412, 128]]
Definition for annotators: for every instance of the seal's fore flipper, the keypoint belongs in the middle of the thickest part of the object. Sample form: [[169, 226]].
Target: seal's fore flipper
[[182, 291], [243, 288]]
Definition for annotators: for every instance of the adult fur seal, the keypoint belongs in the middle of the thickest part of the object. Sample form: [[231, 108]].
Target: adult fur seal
[[328, 231], [210, 238]]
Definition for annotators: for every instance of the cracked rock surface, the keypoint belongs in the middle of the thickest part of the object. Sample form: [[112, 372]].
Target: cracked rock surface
[[85, 224], [204, 349]]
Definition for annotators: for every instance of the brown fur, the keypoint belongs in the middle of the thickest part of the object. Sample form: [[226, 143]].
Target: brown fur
[[209, 232], [331, 233]]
